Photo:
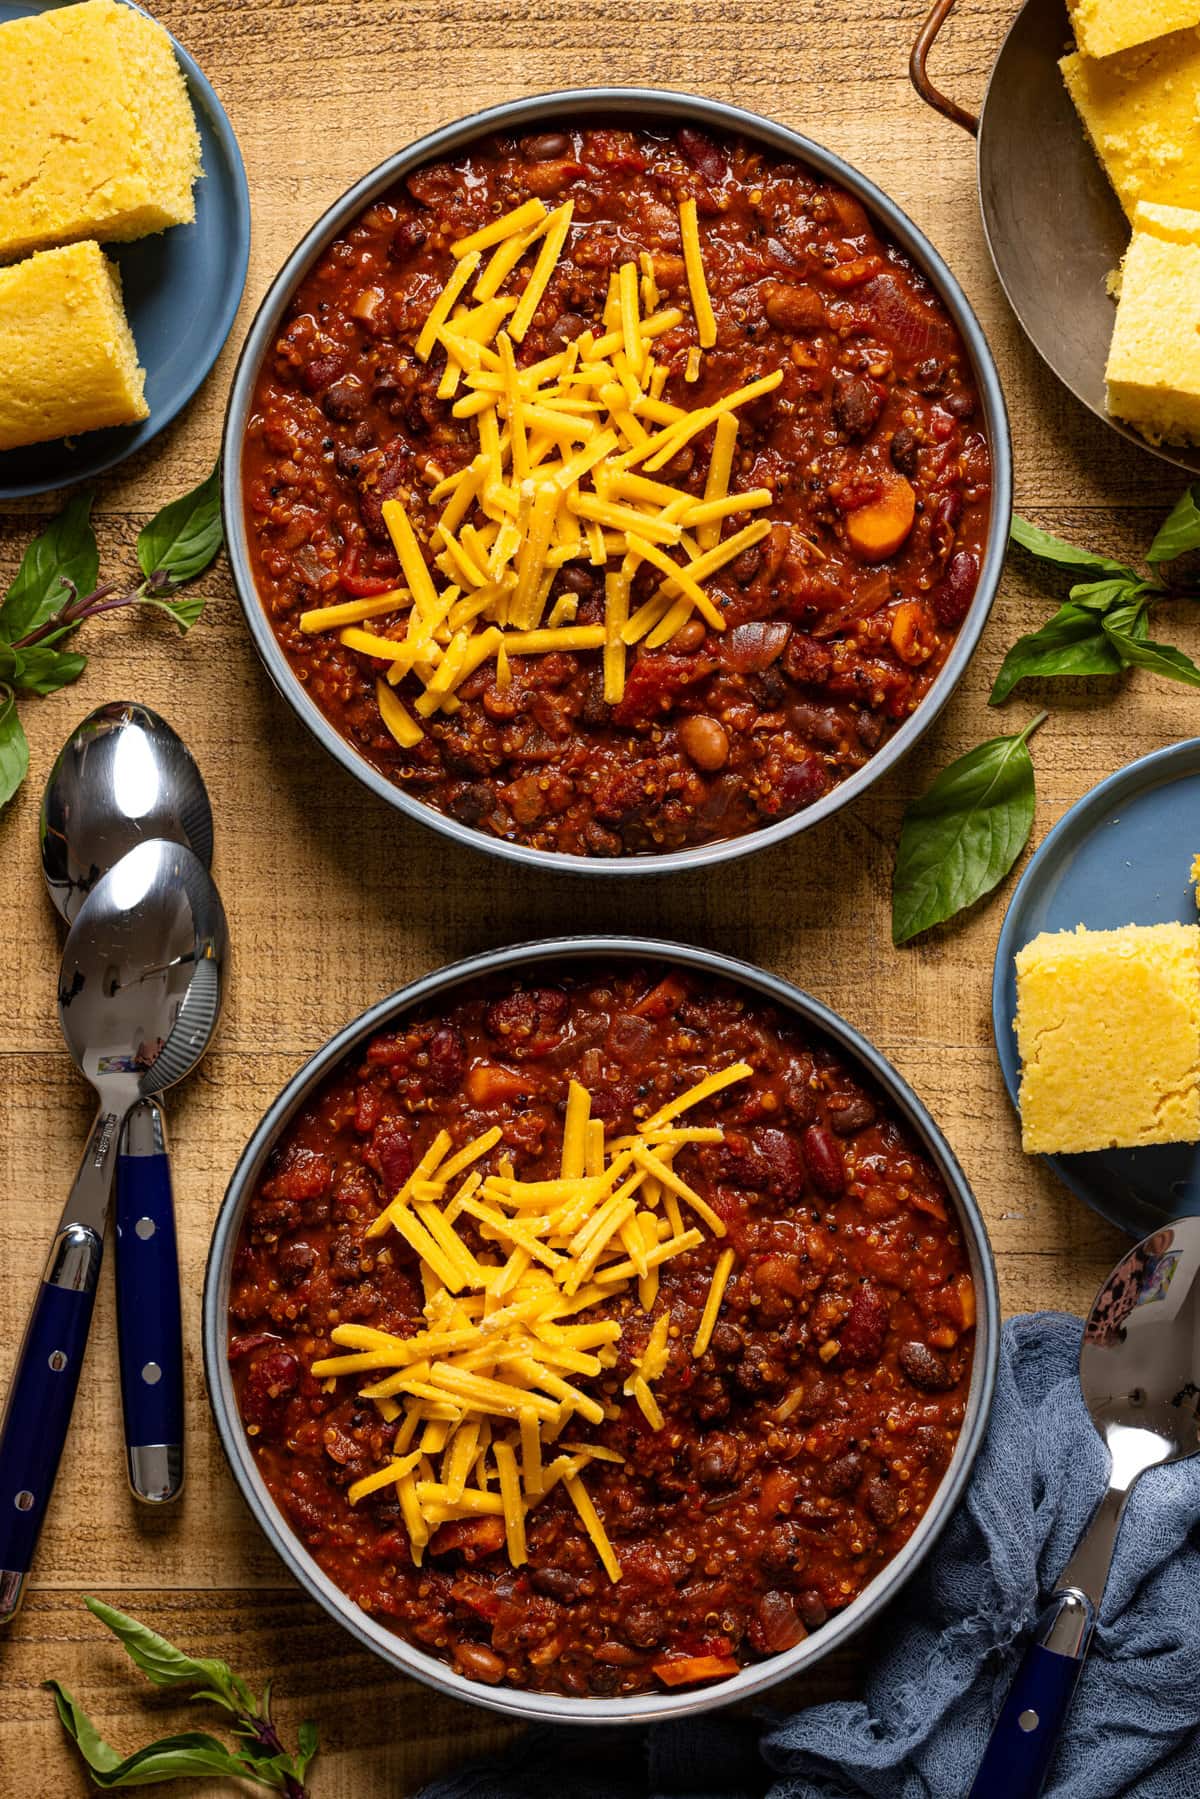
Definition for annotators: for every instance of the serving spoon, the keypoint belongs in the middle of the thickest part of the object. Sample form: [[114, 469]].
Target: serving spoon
[[139, 992], [1139, 1368], [122, 777]]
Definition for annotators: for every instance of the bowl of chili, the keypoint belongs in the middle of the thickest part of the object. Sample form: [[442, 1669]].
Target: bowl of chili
[[748, 529], [793, 1449]]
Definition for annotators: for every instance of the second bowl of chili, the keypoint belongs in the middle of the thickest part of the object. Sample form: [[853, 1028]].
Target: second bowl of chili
[[697, 511], [748, 1442]]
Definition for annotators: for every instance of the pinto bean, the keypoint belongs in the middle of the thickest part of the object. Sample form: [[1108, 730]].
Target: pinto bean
[[478, 1663], [792, 308], [705, 740], [776, 1624], [924, 1368], [546, 146]]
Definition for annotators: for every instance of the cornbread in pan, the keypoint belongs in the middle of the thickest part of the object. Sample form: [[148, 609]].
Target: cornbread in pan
[[1108, 1026], [97, 137], [1141, 110], [1102, 27], [1153, 371], [68, 355]]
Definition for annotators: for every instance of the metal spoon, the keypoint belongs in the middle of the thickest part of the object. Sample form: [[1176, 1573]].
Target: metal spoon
[[1139, 1368], [125, 776], [138, 996]]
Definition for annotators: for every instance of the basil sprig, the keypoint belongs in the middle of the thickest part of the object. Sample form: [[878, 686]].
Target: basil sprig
[[58, 587], [1103, 628], [259, 1756], [961, 837]]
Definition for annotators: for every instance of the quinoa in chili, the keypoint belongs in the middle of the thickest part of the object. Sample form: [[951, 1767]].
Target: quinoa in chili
[[825, 651], [796, 1455]]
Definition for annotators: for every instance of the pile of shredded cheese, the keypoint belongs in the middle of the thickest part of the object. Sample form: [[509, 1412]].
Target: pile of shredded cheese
[[487, 1386], [568, 468]]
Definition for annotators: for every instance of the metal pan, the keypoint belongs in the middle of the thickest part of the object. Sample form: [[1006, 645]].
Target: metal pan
[[1053, 224], [442, 987]]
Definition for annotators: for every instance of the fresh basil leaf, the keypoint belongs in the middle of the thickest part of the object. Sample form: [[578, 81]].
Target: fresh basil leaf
[[961, 837], [65, 552], [182, 539], [1180, 531], [1160, 658], [1098, 596], [181, 1757], [185, 610], [43, 670], [1048, 548], [14, 747], [306, 1738], [167, 1666], [1073, 642]]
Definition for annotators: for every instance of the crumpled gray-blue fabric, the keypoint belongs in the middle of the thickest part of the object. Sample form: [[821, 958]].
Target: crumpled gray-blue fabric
[[944, 1654]]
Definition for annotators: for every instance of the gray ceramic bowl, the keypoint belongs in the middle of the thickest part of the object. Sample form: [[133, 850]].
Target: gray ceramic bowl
[[373, 1635], [638, 104]]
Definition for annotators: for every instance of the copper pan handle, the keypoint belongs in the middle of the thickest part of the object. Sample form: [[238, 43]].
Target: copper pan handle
[[939, 12]]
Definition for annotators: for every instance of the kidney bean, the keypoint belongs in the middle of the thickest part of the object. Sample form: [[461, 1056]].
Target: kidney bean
[[951, 598], [862, 1335], [447, 1058], [850, 1113], [702, 153], [802, 783], [715, 1460], [883, 1502], [823, 1159]]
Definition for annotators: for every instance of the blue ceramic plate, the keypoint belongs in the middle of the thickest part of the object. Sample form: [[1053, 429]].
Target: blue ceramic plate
[[182, 291], [1122, 855]]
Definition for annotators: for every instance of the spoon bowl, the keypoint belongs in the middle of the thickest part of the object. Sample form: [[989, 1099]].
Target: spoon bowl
[[1139, 1366], [1139, 1371], [122, 778], [141, 976]]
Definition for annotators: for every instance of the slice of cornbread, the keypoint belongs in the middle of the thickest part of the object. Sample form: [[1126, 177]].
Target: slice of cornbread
[[1108, 1026], [1153, 371], [1102, 27], [1141, 110], [97, 137], [70, 363]]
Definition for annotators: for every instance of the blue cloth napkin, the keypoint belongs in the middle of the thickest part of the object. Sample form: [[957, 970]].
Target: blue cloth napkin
[[945, 1653]]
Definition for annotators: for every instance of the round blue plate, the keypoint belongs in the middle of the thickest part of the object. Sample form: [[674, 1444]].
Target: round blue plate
[[1122, 855], [182, 291]]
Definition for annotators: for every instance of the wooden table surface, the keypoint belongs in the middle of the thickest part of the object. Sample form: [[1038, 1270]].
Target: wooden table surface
[[334, 900]]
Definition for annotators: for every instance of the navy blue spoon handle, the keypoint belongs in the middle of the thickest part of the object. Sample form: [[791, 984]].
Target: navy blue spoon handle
[[41, 1394], [1025, 1735], [149, 1322]]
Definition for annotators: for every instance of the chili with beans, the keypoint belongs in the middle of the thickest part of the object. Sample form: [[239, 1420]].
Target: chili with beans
[[796, 1455], [836, 624]]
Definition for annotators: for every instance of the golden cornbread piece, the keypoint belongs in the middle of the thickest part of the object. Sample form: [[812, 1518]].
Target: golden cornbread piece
[[1102, 27], [1153, 371], [1141, 110], [1108, 1026], [97, 137], [70, 363]]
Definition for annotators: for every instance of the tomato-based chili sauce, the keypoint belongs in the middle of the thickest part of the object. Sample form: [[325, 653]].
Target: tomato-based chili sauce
[[796, 1454], [832, 636]]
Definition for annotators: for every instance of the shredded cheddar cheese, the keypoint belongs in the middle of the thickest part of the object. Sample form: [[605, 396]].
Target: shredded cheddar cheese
[[568, 450], [487, 1383]]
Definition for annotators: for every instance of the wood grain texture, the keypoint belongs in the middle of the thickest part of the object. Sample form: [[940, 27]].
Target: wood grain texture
[[334, 900]]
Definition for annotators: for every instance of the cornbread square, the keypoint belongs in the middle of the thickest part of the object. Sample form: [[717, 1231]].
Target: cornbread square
[[97, 137], [1108, 1026], [70, 363], [1153, 371], [1102, 27], [1141, 110]]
